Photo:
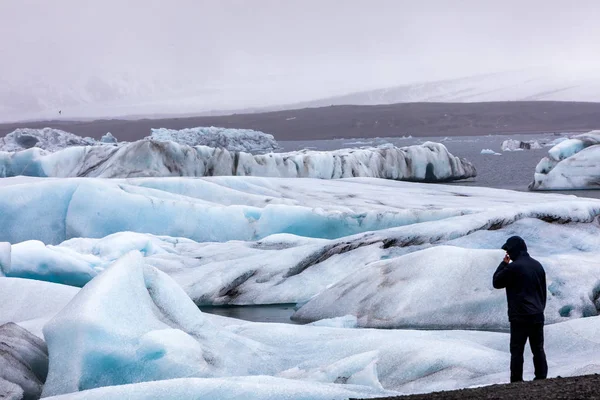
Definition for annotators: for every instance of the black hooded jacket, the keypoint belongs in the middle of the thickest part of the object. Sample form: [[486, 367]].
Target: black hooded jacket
[[525, 282]]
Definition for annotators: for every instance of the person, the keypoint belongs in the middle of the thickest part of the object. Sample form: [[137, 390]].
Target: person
[[524, 279]]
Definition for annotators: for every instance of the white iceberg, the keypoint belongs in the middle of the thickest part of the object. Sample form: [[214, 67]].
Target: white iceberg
[[518, 145], [46, 139], [430, 162], [571, 164], [490, 151], [244, 140]]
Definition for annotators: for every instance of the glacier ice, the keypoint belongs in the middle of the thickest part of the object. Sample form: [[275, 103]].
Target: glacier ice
[[517, 145], [490, 151], [132, 324], [23, 361], [31, 303], [241, 140], [571, 164], [430, 162], [108, 138], [285, 268], [227, 388], [47, 139], [227, 208], [407, 292], [5, 257], [52, 140]]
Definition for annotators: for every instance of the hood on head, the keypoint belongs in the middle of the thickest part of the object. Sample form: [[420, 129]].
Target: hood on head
[[514, 246]]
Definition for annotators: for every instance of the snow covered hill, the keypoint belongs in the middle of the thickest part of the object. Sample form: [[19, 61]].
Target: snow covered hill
[[522, 85]]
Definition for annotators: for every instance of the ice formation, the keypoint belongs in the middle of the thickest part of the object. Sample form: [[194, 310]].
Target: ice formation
[[108, 138], [490, 151], [23, 363], [516, 145], [430, 162], [240, 140], [357, 252], [219, 209], [384, 294], [571, 164], [47, 139], [331, 251], [132, 332], [30, 303]]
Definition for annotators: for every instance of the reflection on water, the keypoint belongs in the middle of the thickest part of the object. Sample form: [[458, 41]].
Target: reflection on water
[[265, 313]]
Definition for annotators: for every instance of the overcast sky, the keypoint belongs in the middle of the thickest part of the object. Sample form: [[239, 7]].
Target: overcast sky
[[299, 49]]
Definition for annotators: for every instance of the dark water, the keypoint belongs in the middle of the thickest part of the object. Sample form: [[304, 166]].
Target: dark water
[[511, 170], [280, 313]]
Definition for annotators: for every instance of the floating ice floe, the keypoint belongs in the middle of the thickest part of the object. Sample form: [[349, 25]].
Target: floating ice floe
[[430, 162], [518, 145], [490, 151], [132, 332], [245, 140], [571, 164]]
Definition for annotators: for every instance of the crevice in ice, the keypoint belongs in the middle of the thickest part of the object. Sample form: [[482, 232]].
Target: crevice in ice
[[231, 290]]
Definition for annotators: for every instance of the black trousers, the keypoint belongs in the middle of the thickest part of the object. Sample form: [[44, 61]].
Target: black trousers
[[519, 333]]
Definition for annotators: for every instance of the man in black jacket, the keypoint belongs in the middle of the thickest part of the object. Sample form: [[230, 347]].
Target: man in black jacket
[[525, 282]]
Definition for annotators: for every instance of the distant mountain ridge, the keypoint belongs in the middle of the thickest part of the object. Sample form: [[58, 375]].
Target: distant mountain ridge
[[528, 85], [129, 96]]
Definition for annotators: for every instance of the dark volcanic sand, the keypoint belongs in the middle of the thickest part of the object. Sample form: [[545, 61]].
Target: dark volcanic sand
[[578, 387], [416, 119]]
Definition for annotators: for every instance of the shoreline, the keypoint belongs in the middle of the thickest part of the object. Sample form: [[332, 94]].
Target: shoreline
[[575, 387]]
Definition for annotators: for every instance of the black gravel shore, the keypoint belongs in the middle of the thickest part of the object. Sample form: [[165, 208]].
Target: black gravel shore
[[577, 387]]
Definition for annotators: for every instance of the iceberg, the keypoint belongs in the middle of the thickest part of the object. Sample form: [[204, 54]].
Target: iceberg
[[108, 138], [490, 151], [571, 164], [517, 145], [133, 331], [234, 140], [46, 139], [430, 162]]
